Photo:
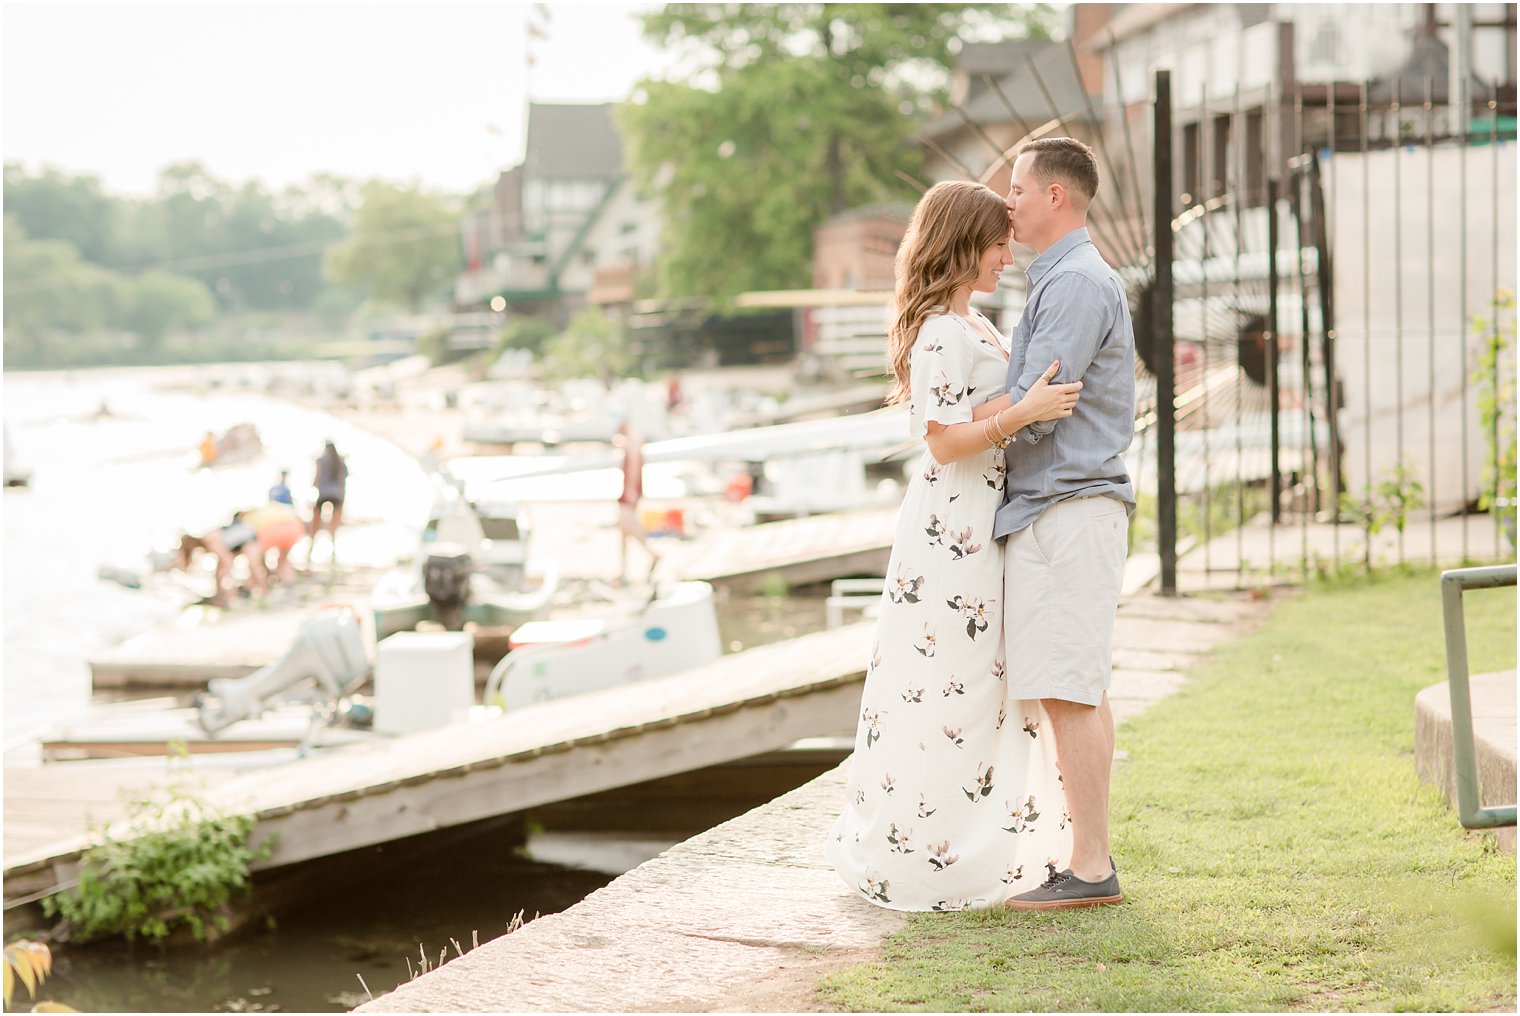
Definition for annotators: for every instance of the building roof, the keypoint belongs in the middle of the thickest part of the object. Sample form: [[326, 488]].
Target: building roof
[[572, 141], [1019, 84], [1429, 65], [977, 58]]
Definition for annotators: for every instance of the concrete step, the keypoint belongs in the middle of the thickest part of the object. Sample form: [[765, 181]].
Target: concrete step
[[1493, 707]]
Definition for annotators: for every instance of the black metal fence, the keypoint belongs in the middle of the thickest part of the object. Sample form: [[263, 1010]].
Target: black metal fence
[[1332, 331], [1321, 279]]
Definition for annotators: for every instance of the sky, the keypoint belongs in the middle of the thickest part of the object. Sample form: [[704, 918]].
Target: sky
[[435, 93]]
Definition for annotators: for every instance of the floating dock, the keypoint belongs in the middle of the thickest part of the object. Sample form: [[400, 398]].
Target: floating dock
[[742, 705]]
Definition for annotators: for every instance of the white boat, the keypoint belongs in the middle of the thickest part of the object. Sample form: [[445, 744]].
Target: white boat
[[550, 660], [474, 563], [305, 701]]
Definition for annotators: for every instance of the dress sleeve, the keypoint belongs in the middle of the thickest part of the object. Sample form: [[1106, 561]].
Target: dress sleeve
[[939, 375]]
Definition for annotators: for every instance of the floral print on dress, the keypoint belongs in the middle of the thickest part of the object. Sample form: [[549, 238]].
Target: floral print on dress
[[946, 393], [996, 476], [940, 856], [961, 545], [1022, 818], [900, 839], [871, 718], [981, 787], [926, 646], [975, 610], [945, 787], [905, 587]]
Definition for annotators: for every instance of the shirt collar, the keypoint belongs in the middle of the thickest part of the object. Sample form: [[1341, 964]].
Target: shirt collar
[[1054, 253]]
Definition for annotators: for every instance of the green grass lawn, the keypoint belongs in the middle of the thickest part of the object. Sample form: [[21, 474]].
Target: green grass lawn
[[1276, 850]]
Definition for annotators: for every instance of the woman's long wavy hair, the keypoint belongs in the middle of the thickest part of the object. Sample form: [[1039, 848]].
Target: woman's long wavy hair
[[952, 227]]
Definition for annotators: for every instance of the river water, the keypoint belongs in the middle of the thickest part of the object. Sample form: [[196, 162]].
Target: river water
[[113, 459]]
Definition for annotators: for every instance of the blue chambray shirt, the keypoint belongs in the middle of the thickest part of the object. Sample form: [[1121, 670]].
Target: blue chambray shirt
[[1076, 312]]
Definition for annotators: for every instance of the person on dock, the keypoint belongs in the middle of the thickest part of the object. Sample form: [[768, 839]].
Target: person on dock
[[331, 481], [276, 527], [281, 490], [1067, 501], [208, 450], [954, 800], [631, 444], [226, 542]]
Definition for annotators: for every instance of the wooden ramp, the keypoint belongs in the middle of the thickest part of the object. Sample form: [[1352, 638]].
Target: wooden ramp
[[741, 705], [818, 548], [48, 804]]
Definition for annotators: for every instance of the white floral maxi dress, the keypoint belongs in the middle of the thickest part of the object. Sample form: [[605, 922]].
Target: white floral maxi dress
[[954, 801]]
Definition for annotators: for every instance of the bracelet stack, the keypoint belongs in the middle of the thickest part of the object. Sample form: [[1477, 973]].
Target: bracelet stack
[[993, 431]]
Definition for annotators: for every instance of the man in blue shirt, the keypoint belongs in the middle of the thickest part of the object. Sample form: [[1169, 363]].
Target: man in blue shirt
[[1067, 501]]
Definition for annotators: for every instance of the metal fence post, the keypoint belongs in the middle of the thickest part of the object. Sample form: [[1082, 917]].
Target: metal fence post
[[1161, 337]]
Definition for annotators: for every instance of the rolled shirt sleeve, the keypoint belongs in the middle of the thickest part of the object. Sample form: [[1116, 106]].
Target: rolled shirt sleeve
[[1073, 318]]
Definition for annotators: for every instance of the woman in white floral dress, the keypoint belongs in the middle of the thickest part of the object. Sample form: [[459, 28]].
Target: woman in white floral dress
[[954, 798]]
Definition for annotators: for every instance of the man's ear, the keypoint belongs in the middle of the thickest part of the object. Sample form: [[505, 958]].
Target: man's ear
[[1058, 196]]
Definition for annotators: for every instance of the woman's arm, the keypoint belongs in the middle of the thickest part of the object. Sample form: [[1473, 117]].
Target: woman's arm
[[952, 442], [991, 406]]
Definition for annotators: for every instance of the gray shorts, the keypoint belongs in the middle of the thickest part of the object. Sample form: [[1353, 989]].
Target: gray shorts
[[1061, 583]]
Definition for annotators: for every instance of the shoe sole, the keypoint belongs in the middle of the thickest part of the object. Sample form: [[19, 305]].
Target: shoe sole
[[1088, 901]]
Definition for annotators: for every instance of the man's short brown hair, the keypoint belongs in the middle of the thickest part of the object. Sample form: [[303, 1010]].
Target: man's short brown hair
[[1066, 160]]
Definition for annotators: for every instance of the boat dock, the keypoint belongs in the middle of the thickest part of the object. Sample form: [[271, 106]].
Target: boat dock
[[803, 551], [745, 704], [737, 707], [46, 804], [202, 643]]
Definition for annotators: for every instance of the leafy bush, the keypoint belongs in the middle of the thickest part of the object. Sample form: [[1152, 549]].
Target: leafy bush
[[182, 866]]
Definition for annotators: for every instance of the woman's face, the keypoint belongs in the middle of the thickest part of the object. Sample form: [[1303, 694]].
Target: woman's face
[[990, 270]]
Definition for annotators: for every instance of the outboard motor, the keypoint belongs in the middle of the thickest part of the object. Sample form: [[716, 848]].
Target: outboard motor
[[446, 580], [328, 649]]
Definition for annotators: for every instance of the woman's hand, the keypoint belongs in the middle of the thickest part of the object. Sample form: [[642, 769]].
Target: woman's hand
[[1046, 401]]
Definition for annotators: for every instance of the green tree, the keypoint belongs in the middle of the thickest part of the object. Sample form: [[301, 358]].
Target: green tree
[[52, 296], [593, 345], [804, 111], [404, 246], [162, 302], [524, 332], [53, 205]]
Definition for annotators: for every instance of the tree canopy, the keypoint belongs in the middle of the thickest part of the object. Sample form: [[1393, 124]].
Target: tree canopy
[[803, 111], [91, 275], [404, 246]]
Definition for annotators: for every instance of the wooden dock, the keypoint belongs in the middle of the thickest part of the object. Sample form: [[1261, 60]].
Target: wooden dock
[[817, 548], [48, 804], [741, 705]]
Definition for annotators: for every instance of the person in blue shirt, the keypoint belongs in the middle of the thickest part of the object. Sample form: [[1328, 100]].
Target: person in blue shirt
[[1067, 500], [281, 491]]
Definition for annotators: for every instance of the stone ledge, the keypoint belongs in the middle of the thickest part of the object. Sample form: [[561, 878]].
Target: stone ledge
[[747, 915], [1493, 705]]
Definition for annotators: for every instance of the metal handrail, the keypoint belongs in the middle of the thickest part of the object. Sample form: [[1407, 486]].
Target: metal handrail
[[1463, 756]]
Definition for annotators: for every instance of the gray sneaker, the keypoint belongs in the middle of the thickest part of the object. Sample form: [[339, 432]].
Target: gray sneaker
[[1064, 891]]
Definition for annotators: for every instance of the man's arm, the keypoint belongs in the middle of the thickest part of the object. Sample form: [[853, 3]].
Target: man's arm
[[1073, 318]]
